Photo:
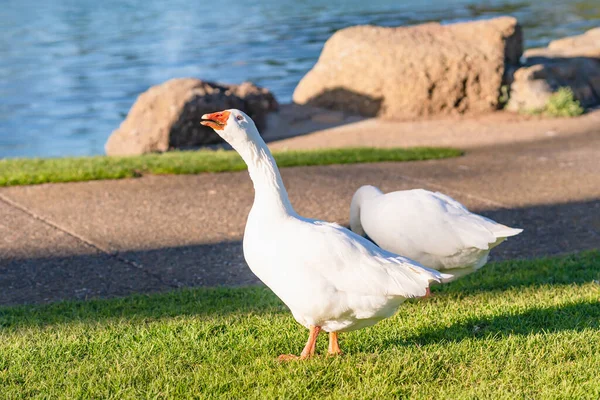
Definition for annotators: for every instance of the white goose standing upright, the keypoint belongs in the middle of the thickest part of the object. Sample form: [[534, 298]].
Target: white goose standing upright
[[431, 228], [330, 278]]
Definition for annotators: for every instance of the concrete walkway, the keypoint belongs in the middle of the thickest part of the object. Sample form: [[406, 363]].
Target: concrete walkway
[[112, 238]]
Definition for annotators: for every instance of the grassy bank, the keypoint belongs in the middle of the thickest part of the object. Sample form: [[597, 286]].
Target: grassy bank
[[35, 171], [524, 329]]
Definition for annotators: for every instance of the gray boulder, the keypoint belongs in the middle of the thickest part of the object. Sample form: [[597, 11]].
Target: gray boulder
[[572, 62], [408, 72], [167, 116]]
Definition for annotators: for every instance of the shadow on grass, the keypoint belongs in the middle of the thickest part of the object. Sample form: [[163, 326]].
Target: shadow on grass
[[211, 302], [576, 268], [572, 317]]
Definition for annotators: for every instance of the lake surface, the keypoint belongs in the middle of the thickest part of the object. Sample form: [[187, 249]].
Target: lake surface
[[70, 70]]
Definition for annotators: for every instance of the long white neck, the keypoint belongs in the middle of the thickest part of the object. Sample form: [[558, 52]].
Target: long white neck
[[270, 194], [362, 194]]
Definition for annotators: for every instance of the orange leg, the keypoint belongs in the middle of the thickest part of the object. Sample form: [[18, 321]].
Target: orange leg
[[334, 346], [428, 292], [309, 349]]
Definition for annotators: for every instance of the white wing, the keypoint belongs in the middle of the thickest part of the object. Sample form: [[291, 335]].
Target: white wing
[[354, 265], [430, 223]]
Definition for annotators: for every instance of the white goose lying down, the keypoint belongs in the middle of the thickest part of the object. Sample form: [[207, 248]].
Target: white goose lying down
[[330, 278], [428, 227]]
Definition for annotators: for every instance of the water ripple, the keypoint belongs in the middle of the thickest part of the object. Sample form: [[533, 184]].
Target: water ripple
[[71, 69]]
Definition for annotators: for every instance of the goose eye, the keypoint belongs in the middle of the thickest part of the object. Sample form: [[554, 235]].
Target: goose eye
[[239, 118]]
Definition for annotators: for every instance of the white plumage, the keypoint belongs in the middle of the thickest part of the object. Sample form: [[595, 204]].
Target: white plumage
[[326, 275], [428, 227], [329, 277]]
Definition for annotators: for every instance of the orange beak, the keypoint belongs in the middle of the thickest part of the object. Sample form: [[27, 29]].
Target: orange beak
[[217, 120]]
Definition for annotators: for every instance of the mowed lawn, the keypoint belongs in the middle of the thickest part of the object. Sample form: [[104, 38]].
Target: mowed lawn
[[30, 171], [523, 329]]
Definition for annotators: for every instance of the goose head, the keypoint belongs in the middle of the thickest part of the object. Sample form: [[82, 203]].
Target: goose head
[[234, 126], [238, 129], [362, 194]]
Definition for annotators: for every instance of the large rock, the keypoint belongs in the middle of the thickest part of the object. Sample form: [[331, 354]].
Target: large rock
[[167, 116], [572, 62], [586, 45], [406, 72]]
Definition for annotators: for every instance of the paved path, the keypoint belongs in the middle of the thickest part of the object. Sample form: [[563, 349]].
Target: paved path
[[112, 238]]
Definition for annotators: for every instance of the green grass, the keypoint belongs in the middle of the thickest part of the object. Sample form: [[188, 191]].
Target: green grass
[[35, 171], [504, 96], [523, 329], [562, 103]]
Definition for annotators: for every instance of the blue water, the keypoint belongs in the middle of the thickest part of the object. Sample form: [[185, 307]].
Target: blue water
[[71, 69]]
